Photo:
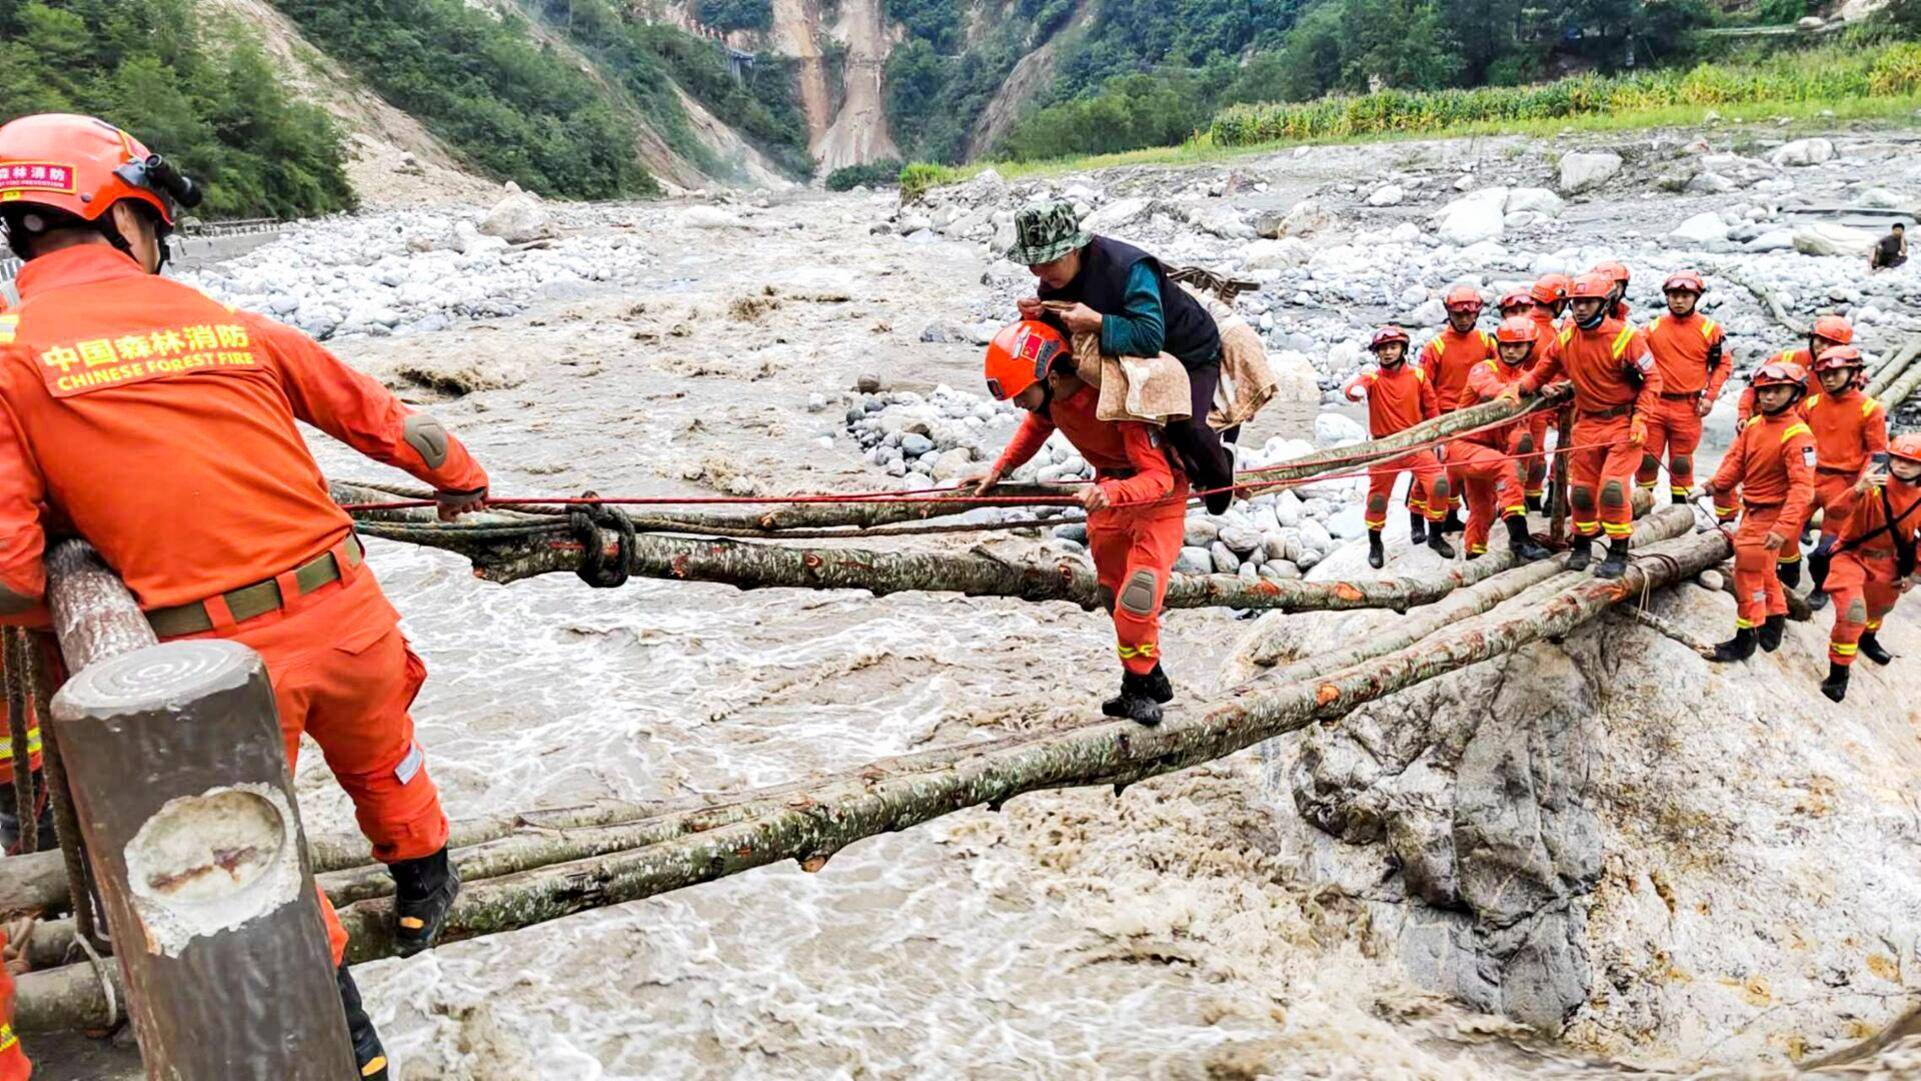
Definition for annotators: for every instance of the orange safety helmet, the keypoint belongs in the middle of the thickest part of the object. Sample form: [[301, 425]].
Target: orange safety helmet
[[1837, 358], [1591, 286], [1515, 330], [1516, 299], [1613, 271], [1463, 297], [1906, 446], [1686, 281], [1552, 289], [1834, 328], [1387, 336], [1781, 373], [1020, 356], [80, 168]]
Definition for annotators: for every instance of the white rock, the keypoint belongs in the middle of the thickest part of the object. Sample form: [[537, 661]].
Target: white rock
[[1701, 229], [1880, 197], [1710, 184], [708, 217], [1335, 430], [1194, 561], [1115, 214], [1306, 217], [1803, 152], [1295, 378], [1280, 254], [1200, 532], [1387, 195], [1473, 218], [1584, 172], [1315, 536], [1534, 201], [1223, 558], [1774, 240], [1712, 581], [518, 218], [1240, 539], [1288, 509], [1827, 238]]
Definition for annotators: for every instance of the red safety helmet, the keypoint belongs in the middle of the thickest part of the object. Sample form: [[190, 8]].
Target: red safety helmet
[[1020, 356], [1515, 330], [1686, 281], [1613, 271], [1838, 358], [1463, 297], [1516, 299], [1834, 328], [1387, 336], [1906, 446], [1552, 288], [1781, 373], [1591, 286], [82, 167]]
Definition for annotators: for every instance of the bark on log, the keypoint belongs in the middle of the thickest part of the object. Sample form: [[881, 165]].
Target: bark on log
[[1892, 366], [1903, 388], [94, 616], [1116, 753]]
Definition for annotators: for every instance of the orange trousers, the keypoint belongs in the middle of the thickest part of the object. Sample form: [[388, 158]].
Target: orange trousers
[[1428, 493], [1601, 476], [1863, 586], [1674, 433], [1828, 488], [343, 673], [1757, 583], [1134, 549], [1494, 484]]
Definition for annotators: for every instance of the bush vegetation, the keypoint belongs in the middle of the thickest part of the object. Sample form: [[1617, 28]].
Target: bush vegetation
[[208, 100], [874, 174], [736, 14]]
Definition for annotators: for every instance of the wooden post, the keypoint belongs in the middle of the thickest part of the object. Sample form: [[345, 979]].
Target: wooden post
[[180, 784]]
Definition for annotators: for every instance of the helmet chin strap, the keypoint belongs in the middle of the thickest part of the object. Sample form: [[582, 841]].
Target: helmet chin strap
[[1593, 321]]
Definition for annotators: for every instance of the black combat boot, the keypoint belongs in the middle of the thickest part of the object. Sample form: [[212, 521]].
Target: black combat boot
[[1769, 635], [424, 892], [1376, 554], [1818, 562], [1438, 544], [369, 1057], [1871, 649], [1738, 648], [1535, 505], [1135, 702], [1416, 527], [1616, 563], [1158, 686], [1836, 685], [1452, 523], [1790, 573], [1518, 539], [1580, 553]]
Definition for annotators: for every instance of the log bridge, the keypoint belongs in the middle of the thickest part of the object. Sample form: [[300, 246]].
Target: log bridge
[[545, 864]]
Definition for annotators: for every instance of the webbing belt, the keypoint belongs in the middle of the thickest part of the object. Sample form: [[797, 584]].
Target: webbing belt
[[255, 600]]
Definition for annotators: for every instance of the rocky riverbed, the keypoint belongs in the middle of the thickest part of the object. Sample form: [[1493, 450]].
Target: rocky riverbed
[[1594, 858]]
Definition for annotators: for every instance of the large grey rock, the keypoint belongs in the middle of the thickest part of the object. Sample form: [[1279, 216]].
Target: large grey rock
[[1828, 238], [518, 218], [1200, 532], [1241, 540], [1700, 230], [1335, 430], [1582, 172], [1194, 561], [1473, 218], [1803, 152], [1225, 561], [1534, 201], [1387, 195]]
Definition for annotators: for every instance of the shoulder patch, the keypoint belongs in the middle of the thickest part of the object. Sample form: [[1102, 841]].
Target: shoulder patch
[[1567, 335], [1621, 341], [1708, 327], [1868, 407]]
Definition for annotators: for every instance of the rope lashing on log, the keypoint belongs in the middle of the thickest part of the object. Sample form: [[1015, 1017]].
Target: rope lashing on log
[[597, 568]]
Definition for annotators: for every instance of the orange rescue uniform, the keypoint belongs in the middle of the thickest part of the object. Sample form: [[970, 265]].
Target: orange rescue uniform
[[1772, 464], [1863, 578], [1849, 428], [1398, 398], [1745, 408], [1135, 538], [1690, 354], [1493, 478], [1546, 329], [14, 1064], [1616, 387], [161, 424]]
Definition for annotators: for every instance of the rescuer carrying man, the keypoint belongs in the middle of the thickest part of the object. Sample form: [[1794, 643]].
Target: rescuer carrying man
[[1399, 396], [1616, 386], [1768, 476], [1879, 523], [1123, 294], [1136, 507], [1850, 432], [1492, 465], [1691, 351], [160, 425], [1447, 358]]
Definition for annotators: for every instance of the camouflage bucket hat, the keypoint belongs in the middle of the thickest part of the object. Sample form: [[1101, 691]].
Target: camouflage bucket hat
[[1046, 231]]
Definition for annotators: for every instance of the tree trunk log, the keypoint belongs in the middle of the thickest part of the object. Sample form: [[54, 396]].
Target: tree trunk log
[[1892, 366]]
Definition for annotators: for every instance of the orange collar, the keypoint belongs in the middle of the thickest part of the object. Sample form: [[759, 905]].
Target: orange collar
[[82, 264]]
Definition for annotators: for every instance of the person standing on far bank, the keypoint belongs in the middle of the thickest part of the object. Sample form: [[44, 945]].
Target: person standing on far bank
[[1123, 294]]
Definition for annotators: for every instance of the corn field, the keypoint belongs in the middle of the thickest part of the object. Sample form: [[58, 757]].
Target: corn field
[[1823, 75]]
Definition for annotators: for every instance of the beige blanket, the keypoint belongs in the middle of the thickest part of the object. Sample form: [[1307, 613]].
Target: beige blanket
[[1156, 390]]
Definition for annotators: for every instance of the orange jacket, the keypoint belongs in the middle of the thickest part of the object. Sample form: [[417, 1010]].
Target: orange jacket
[[1785, 356], [1488, 381], [1448, 357], [1396, 400], [1860, 515], [161, 425], [1610, 367], [1691, 354], [1128, 462], [1772, 462], [14, 1065], [1849, 430]]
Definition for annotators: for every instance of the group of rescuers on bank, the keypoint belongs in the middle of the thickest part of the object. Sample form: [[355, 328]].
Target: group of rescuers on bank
[[160, 426]]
